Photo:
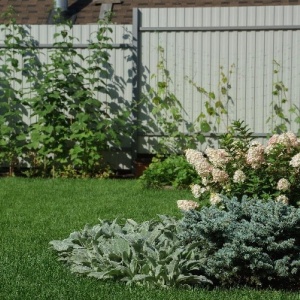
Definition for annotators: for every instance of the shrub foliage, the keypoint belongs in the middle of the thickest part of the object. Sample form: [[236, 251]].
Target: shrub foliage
[[148, 253], [246, 167], [173, 171], [249, 242], [71, 121]]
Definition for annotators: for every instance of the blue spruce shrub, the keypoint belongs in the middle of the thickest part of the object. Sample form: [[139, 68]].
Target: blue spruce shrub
[[248, 242]]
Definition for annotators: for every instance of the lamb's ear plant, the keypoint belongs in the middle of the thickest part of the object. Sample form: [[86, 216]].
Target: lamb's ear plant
[[17, 62], [148, 253]]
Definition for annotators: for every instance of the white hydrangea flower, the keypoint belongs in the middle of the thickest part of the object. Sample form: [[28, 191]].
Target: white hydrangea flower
[[273, 139], [295, 161], [200, 163], [205, 181], [255, 155], [218, 157], [239, 176], [283, 184], [284, 140], [219, 175], [192, 156], [282, 198], [197, 190], [215, 198], [203, 167], [269, 148], [187, 204], [293, 138]]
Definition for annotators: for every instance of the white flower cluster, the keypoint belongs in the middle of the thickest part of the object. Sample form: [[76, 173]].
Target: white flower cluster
[[284, 140], [239, 176], [293, 139], [219, 175], [193, 156], [287, 139], [187, 204], [273, 139], [215, 199], [282, 198], [197, 190], [295, 161], [200, 163], [205, 181], [221, 170], [269, 148], [255, 155], [218, 157], [283, 185]]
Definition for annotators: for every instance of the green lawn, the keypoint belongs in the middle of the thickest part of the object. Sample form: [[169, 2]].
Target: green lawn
[[34, 212]]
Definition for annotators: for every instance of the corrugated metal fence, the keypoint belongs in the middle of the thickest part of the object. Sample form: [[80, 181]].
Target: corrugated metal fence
[[246, 44], [249, 43]]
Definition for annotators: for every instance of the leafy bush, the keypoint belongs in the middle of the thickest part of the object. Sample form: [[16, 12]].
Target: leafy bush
[[73, 127], [19, 55], [148, 253], [173, 171], [250, 242], [65, 99], [246, 167]]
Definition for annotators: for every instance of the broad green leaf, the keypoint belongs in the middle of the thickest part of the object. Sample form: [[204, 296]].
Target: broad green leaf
[[205, 127]]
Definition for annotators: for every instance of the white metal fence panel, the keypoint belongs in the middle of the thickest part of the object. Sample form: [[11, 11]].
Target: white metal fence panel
[[252, 42]]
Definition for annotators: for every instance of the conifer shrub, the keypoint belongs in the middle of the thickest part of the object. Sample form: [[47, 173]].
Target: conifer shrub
[[248, 242]]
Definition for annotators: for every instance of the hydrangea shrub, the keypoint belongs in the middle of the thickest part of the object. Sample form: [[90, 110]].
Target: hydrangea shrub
[[246, 167]]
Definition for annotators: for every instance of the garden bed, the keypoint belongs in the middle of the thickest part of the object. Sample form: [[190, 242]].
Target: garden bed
[[35, 211]]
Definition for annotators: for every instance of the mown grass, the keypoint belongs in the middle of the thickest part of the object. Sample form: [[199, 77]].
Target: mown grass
[[34, 212]]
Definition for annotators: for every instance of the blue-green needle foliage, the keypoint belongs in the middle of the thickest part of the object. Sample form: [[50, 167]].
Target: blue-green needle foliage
[[248, 242]]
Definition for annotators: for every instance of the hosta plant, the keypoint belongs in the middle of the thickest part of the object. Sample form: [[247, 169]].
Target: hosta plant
[[147, 254], [250, 242], [246, 167]]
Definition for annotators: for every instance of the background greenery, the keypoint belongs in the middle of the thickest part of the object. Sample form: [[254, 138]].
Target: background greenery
[[36, 211], [173, 171]]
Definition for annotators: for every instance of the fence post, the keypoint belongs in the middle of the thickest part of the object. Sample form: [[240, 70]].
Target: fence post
[[135, 80]]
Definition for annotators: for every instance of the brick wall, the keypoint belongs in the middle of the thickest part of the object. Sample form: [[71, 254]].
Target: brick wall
[[37, 11]]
